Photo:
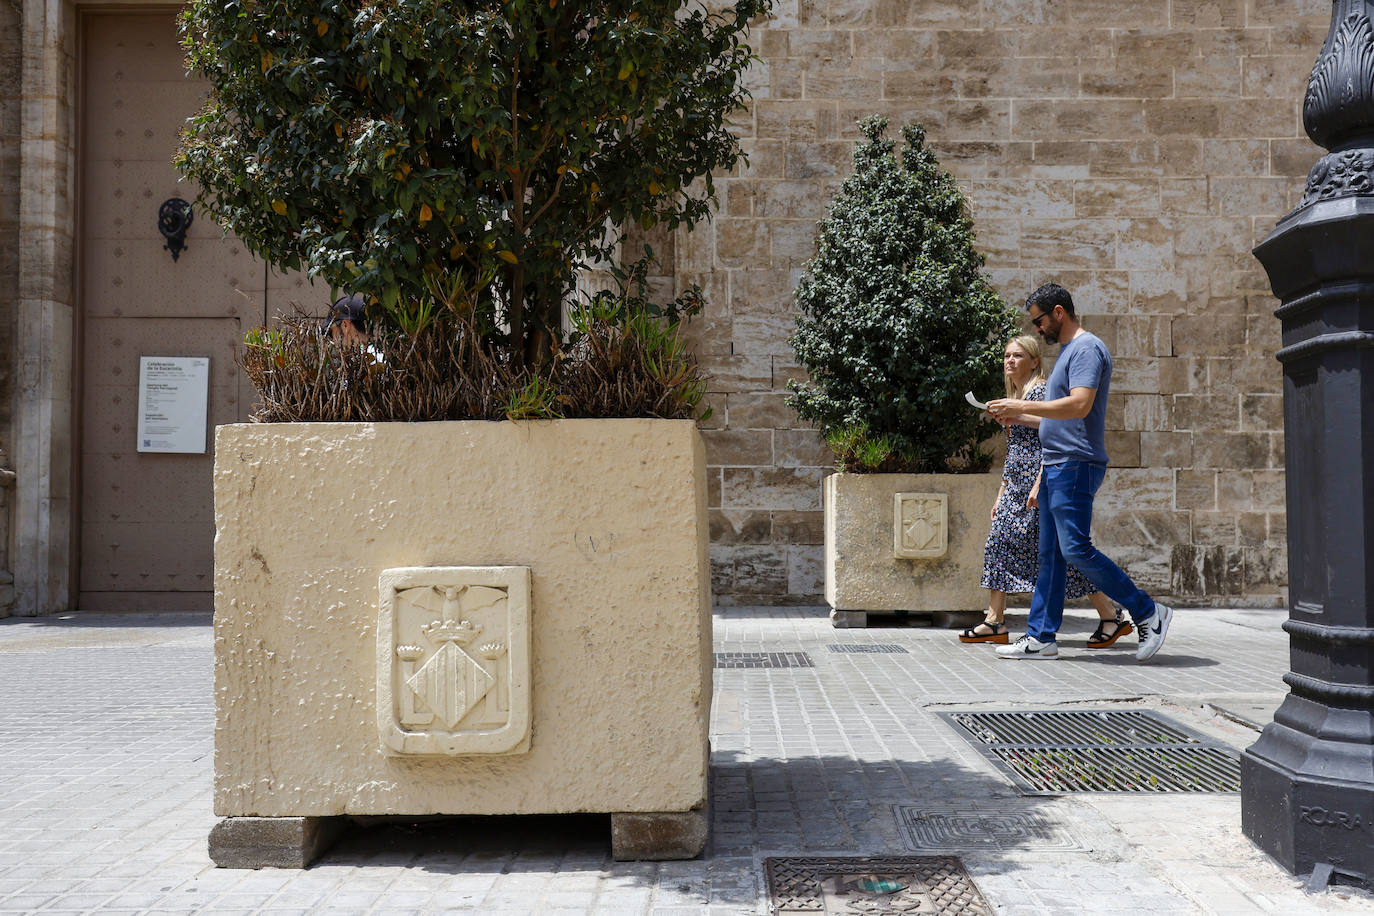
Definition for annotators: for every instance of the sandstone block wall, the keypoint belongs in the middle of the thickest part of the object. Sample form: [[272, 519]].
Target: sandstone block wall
[[1134, 152], [38, 68], [10, 58]]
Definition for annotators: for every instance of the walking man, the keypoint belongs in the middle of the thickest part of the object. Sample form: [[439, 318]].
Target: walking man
[[1072, 421]]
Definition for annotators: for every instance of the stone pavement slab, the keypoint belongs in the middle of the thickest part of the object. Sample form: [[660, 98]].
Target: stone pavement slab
[[106, 727]]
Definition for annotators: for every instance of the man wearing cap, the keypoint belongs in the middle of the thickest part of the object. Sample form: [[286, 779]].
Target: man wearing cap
[[347, 321]]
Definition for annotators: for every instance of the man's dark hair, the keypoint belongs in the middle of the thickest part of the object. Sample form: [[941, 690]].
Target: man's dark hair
[[1050, 295]]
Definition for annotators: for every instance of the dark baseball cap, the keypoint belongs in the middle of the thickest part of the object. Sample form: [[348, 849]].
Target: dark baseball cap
[[347, 308]]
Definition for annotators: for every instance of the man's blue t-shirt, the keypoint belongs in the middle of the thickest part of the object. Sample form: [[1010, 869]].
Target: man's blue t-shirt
[[1083, 363]]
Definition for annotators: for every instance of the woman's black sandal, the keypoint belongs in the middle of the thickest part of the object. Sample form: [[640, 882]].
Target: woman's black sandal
[[998, 633], [1102, 640]]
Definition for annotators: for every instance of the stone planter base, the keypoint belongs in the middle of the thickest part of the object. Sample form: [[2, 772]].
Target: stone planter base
[[954, 620], [658, 836], [296, 842], [906, 544], [272, 842]]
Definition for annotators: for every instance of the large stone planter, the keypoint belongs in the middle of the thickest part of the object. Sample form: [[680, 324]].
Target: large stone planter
[[906, 543], [460, 618]]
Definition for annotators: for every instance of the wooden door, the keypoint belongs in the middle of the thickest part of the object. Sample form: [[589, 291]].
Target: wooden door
[[147, 526]]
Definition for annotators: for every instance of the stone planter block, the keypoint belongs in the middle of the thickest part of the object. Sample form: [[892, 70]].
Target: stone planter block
[[461, 618], [905, 542], [272, 842], [667, 835]]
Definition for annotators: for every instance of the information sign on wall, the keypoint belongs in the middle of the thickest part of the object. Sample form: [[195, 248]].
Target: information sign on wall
[[173, 394]]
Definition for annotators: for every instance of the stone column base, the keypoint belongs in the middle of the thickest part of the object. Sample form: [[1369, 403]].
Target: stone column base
[[272, 842], [658, 836]]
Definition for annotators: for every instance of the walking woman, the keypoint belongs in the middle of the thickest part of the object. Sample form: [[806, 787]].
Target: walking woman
[[1010, 559]]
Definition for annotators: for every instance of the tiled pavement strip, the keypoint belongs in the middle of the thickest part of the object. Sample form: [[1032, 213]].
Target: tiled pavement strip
[[105, 801]]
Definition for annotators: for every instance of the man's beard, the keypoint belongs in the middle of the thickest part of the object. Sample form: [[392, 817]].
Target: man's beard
[[1051, 337]]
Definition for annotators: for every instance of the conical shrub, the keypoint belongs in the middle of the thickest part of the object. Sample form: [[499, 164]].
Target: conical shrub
[[895, 319]]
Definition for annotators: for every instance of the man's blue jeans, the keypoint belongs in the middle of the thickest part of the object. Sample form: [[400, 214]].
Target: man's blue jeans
[[1066, 518]]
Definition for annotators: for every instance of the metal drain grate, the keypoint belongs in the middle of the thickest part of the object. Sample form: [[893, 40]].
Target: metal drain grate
[[965, 826], [876, 648], [1050, 752], [763, 660], [880, 885]]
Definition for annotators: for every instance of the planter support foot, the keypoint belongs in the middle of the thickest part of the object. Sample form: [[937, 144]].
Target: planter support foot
[[957, 620], [658, 836], [272, 842], [843, 620]]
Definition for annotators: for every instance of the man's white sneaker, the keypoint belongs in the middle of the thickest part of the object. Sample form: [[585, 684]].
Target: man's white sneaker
[[1027, 647], [1153, 631]]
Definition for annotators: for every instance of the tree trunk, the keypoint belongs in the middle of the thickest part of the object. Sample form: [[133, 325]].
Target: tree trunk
[[515, 314]]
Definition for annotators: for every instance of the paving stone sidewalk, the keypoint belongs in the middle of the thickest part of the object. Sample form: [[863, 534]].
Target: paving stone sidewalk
[[106, 748]]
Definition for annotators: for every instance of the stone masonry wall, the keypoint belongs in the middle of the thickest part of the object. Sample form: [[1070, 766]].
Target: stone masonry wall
[[1134, 152], [11, 55]]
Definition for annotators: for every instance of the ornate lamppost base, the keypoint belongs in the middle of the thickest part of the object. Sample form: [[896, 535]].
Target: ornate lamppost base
[[1307, 784], [1293, 808]]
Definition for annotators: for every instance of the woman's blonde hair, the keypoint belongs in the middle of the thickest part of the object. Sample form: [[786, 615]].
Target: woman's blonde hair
[[1030, 345]]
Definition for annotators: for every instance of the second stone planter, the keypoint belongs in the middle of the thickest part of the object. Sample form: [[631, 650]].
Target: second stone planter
[[906, 543]]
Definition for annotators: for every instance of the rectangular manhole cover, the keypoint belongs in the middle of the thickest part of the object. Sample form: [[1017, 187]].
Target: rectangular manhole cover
[[876, 648], [965, 827], [763, 660], [875, 885], [1051, 752]]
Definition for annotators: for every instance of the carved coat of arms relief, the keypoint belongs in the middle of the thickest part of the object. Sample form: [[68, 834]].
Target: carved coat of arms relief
[[920, 525], [453, 660]]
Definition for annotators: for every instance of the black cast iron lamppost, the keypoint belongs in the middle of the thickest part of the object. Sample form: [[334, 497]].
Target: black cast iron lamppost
[[1307, 784]]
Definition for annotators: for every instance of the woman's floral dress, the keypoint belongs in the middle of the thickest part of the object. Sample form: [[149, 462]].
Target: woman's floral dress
[[1011, 557]]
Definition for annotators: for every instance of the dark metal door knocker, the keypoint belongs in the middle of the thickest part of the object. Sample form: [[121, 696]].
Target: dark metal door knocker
[[174, 217]]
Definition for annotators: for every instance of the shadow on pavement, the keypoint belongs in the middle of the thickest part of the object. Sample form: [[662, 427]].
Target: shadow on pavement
[[805, 806], [89, 619], [474, 844], [1162, 660]]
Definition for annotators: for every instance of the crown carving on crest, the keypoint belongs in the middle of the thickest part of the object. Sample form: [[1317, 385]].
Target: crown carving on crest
[[459, 631]]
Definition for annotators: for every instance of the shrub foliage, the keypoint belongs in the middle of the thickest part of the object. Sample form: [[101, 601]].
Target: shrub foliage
[[896, 320], [611, 367], [392, 147]]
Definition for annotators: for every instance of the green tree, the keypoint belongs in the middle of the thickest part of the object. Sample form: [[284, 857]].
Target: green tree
[[896, 320], [465, 152]]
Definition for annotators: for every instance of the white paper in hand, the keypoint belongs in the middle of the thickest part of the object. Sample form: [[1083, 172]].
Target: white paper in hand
[[968, 396]]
